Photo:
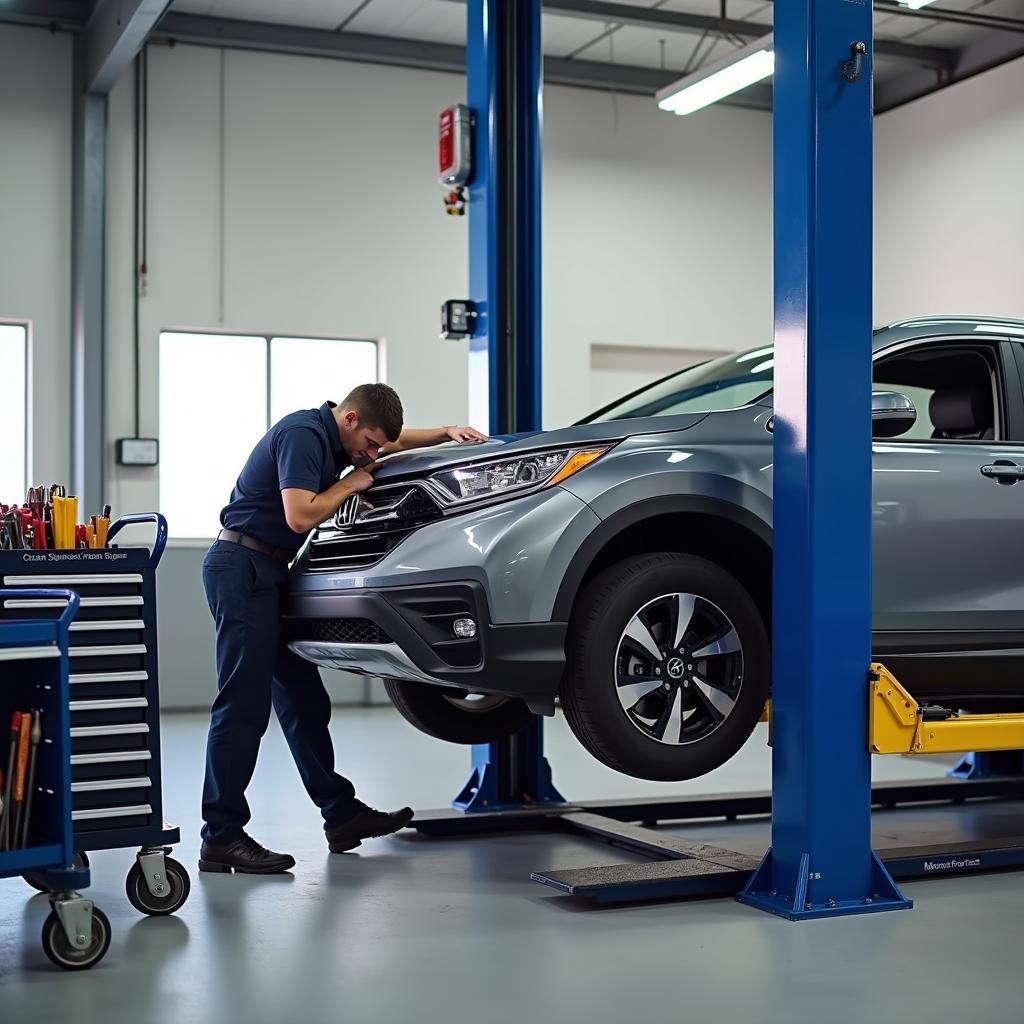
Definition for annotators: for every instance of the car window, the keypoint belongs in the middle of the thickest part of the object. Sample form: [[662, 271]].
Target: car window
[[955, 390], [727, 383]]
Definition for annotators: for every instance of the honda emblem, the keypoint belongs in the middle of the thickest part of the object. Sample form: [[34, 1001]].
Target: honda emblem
[[349, 511]]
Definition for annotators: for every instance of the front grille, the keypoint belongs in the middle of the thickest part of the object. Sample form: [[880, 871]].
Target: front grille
[[344, 551], [342, 631]]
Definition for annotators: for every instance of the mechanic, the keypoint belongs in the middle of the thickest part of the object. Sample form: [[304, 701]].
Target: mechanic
[[288, 486]]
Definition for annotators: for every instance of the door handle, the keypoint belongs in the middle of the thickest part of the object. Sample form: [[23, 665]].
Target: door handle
[[1003, 471]]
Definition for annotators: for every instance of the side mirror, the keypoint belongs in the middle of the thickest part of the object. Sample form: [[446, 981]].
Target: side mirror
[[892, 414]]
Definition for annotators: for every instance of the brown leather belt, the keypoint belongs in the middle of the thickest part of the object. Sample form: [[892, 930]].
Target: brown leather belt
[[278, 554]]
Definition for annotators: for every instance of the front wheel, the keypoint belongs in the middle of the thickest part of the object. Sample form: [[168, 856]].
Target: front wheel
[[76, 958], [668, 667], [456, 716]]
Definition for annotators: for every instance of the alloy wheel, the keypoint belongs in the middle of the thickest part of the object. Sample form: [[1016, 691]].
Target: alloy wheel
[[679, 668]]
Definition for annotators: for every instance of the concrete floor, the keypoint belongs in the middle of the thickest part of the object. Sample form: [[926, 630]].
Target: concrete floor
[[454, 931]]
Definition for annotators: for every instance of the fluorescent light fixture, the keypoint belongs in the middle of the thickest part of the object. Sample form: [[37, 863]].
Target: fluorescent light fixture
[[740, 69], [916, 5]]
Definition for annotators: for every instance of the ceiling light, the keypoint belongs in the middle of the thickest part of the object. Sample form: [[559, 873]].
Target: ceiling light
[[916, 5], [742, 68]]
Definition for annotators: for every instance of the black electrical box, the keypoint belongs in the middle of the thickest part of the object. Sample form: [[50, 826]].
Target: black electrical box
[[457, 316]]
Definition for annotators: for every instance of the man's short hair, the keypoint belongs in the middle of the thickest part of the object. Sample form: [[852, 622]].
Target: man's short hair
[[378, 406]]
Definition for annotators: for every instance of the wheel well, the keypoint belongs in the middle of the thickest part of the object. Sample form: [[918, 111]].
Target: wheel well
[[730, 545]]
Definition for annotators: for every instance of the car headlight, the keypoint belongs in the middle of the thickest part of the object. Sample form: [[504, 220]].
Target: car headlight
[[511, 477]]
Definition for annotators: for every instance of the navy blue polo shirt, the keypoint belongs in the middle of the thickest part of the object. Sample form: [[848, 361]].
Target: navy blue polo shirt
[[301, 450]]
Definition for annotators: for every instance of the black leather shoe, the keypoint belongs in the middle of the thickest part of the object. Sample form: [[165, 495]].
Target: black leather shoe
[[366, 823], [244, 855]]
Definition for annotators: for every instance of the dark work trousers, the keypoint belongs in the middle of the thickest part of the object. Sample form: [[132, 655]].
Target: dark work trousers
[[255, 670]]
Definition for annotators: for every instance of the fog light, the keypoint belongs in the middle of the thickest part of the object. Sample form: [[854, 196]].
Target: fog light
[[464, 629]]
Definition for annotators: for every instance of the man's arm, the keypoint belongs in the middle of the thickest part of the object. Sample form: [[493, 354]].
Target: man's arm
[[304, 510], [411, 438]]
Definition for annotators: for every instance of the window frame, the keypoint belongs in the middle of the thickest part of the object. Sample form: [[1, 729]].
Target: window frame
[[1008, 397], [26, 326], [268, 337]]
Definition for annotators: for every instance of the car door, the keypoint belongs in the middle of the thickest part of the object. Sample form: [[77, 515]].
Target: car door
[[948, 506]]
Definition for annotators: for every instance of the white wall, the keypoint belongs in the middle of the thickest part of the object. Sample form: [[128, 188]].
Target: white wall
[[949, 208], [35, 227]]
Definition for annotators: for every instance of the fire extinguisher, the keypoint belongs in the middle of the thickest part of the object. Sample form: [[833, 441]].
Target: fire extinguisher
[[455, 156]]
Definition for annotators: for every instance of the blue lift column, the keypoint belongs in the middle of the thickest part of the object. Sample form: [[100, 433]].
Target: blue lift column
[[504, 69], [821, 863]]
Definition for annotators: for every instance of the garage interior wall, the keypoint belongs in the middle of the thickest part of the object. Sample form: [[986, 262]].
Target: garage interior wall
[[949, 210], [299, 195], [35, 229]]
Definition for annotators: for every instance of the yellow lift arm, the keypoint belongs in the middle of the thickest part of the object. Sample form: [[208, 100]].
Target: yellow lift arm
[[899, 725]]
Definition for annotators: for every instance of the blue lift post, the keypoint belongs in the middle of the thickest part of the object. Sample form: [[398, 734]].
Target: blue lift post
[[820, 863], [504, 69]]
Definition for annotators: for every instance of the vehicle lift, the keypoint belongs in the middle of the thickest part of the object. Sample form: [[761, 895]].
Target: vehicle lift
[[830, 712]]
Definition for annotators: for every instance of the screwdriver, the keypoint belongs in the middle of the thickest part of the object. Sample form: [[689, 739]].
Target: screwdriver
[[34, 739], [12, 751]]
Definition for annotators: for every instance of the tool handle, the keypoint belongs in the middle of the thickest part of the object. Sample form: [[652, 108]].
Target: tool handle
[[48, 594], [144, 517]]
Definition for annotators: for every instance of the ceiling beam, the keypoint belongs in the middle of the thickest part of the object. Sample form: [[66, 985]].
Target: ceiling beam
[[973, 18], [200, 30], [988, 52], [265, 36], [66, 15], [114, 34], [678, 21]]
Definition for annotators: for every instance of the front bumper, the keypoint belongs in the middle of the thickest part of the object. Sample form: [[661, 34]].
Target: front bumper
[[410, 630]]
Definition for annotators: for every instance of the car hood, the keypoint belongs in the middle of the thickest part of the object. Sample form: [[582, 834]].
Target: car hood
[[428, 460]]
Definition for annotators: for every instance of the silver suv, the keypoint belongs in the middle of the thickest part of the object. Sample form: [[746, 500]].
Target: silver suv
[[623, 564]]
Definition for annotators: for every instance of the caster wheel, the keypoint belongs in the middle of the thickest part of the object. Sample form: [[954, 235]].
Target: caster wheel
[[178, 888], [71, 958], [81, 861]]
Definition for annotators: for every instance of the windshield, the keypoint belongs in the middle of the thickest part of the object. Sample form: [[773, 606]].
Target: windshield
[[727, 383]]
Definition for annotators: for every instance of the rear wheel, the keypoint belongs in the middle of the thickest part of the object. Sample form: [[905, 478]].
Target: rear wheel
[[457, 716], [668, 667]]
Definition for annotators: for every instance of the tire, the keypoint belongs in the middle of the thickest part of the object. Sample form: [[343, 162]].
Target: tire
[[178, 888], [81, 861], [703, 719], [68, 957], [448, 713]]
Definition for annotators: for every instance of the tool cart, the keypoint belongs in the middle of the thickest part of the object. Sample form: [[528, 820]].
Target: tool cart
[[35, 814], [116, 798]]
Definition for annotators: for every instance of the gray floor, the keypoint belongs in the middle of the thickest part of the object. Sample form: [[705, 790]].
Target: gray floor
[[455, 931]]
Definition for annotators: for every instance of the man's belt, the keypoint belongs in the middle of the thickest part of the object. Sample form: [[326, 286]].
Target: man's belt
[[278, 554]]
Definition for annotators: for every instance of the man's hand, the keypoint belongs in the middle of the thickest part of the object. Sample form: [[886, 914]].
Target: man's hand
[[361, 479], [305, 510], [464, 435]]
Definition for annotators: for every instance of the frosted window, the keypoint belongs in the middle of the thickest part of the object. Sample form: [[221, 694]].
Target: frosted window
[[13, 395], [217, 400], [306, 372], [213, 410]]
